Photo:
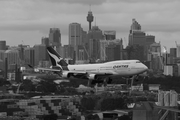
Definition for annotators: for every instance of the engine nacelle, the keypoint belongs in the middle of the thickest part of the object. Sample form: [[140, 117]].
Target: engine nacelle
[[92, 77], [66, 75]]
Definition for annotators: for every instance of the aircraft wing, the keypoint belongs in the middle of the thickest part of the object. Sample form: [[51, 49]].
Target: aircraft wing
[[49, 69]]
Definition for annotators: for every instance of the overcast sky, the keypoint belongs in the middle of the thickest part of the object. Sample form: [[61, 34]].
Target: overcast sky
[[27, 21]]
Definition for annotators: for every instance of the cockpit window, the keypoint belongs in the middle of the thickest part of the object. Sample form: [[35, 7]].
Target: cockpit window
[[138, 62]]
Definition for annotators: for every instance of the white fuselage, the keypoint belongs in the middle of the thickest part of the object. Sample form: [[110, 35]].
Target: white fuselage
[[120, 67]]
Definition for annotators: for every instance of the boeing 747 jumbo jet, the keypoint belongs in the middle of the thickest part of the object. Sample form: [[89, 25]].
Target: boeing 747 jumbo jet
[[94, 71]]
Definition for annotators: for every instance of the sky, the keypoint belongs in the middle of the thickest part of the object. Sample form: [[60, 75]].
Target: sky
[[27, 21]]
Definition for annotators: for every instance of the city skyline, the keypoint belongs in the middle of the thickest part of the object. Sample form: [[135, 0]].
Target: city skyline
[[30, 20]]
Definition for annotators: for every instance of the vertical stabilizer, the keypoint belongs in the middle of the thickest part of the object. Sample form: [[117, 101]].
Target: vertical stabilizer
[[55, 58]]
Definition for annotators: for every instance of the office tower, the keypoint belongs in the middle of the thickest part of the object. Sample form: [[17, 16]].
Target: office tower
[[68, 51], [111, 50], [21, 48], [155, 57], [2, 52], [139, 38], [90, 18], [29, 56], [39, 54], [75, 34], [173, 53], [135, 25], [12, 57], [178, 50], [150, 39], [84, 37], [3, 45], [55, 37], [136, 36], [94, 37], [110, 35], [45, 41]]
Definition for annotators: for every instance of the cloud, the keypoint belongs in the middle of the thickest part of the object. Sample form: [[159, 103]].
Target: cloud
[[155, 16], [85, 2]]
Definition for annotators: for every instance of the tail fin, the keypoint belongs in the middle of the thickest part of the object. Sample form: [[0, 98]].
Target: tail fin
[[56, 59]]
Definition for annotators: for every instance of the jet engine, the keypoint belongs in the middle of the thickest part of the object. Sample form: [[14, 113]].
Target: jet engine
[[67, 74], [92, 76]]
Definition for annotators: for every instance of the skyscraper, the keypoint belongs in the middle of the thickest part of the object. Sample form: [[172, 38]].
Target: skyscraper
[[45, 41], [75, 34], [3, 45], [111, 49], [135, 25], [29, 56], [173, 53], [136, 36], [94, 37], [40, 53], [55, 37], [110, 35], [12, 57], [178, 50]]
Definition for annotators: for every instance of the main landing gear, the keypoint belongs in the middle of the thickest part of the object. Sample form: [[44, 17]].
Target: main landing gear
[[132, 79], [100, 80]]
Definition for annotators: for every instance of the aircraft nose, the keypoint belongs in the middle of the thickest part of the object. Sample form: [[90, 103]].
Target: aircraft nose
[[145, 67]]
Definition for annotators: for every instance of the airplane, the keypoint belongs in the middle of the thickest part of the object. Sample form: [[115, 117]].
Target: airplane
[[97, 71]]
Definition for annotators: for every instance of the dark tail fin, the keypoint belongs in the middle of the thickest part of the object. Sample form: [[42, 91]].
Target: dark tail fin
[[56, 59]]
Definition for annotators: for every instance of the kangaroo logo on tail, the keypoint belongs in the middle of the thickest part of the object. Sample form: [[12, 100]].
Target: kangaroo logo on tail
[[56, 59]]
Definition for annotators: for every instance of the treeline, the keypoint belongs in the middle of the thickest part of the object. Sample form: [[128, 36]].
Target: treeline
[[166, 82], [112, 101], [104, 101]]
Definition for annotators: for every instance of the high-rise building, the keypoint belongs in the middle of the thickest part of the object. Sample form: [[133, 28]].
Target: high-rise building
[[111, 50], [55, 37], [12, 57], [178, 50], [75, 34], [39, 53], [137, 38], [135, 25], [77, 37], [173, 53], [155, 57], [29, 56], [90, 18], [114, 52], [21, 48], [150, 39], [2, 58], [110, 35], [45, 41], [2, 54], [68, 51], [94, 37], [84, 38], [3, 45]]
